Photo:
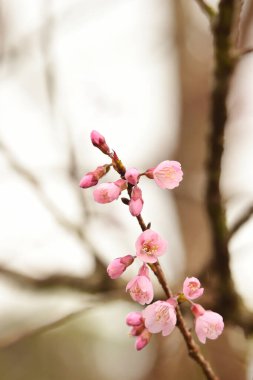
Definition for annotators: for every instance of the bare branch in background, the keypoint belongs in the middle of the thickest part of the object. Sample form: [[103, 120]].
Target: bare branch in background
[[90, 284], [70, 227], [207, 9], [240, 222]]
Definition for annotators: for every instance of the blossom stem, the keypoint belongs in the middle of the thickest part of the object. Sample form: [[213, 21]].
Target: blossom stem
[[193, 348]]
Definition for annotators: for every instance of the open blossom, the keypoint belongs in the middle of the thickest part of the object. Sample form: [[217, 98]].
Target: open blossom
[[106, 192], [119, 265], [208, 324], [136, 201], [99, 141], [132, 176], [192, 288], [160, 317], [140, 287], [167, 174], [92, 178], [149, 246]]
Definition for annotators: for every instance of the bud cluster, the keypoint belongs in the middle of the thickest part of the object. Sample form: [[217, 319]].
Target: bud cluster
[[159, 316]]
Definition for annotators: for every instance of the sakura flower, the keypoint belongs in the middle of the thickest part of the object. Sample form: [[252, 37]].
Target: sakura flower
[[140, 287], [106, 192], [208, 324], [136, 201], [99, 142], [132, 175], [92, 178], [167, 174], [191, 288], [160, 317], [149, 246], [119, 265]]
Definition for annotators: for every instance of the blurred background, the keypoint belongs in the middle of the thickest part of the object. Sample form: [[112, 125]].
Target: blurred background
[[139, 72]]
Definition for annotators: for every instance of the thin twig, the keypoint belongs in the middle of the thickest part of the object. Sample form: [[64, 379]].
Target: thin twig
[[207, 9], [240, 222]]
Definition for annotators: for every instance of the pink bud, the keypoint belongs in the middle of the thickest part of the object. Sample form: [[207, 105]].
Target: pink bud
[[118, 266], [149, 173], [168, 174], [91, 178], [208, 324], [99, 141], [191, 288], [142, 340], [132, 175], [106, 192], [134, 319], [160, 317], [149, 246], [88, 180], [121, 183], [136, 201]]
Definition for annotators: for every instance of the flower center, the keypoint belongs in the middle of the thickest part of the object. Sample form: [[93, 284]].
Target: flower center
[[150, 248], [162, 314]]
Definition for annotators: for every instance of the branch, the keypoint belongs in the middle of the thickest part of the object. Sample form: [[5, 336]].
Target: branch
[[228, 301], [15, 338], [90, 284], [240, 222], [207, 9], [76, 229]]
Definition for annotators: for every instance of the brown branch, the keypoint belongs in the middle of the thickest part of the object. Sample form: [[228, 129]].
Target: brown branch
[[207, 9], [228, 300], [15, 338], [91, 284], [69, 226], [240, 222]]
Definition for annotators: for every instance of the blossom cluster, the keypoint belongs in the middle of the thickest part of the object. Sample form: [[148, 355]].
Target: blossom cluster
[[159, 316]]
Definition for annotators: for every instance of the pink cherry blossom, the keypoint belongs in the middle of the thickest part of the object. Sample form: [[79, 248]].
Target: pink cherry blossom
[[118, 266], [132, 175], [134, 318], [92, 178], [142, 340], [149, 246], [88, 180], [160, 317], [99, 141], [168, 174], [140, 287], [136, 201], [106, 192], [208, 324], [192, 288]]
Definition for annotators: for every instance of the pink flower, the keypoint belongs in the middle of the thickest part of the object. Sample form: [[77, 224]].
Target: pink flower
[[149, 246], [192, 289], [106, 192], [92, 178], [132, 176], [160, 317], [167, 174], [119, 265], [99, 141], [136, 201], [140, 287], [208, 324]]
